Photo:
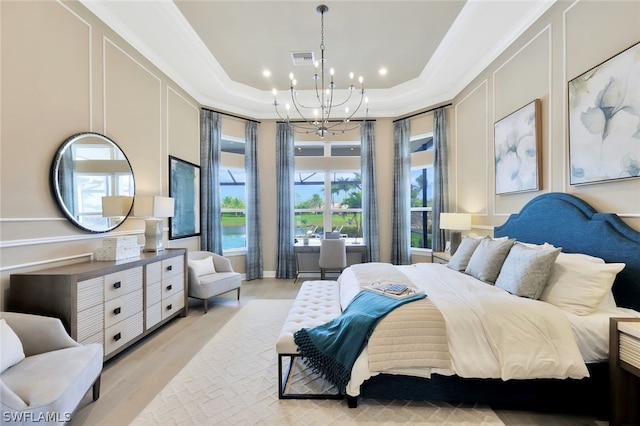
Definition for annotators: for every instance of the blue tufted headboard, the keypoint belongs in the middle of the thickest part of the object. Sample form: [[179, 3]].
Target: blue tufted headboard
[[568, 222]]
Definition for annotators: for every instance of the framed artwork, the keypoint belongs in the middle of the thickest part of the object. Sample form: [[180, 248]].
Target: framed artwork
[[518, 148], [184, 188], [604, 120]]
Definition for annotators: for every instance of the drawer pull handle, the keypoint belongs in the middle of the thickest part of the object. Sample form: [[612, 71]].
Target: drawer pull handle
[[169, 287], [170, 267], [117, 284], [117, 337], [116, 311], [169, 307]]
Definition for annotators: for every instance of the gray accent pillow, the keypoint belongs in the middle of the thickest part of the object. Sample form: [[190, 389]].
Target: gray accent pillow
[[460, 259], [526, 270], [486, 261]]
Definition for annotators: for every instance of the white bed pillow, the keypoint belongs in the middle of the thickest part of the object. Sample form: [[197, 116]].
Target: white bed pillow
[[487, 259], [202, 266], [526, 270], [460, 259], [11, 350], [579, 283]]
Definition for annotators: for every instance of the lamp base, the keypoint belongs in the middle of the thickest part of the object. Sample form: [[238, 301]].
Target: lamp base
[[153, 235], [456, 238]]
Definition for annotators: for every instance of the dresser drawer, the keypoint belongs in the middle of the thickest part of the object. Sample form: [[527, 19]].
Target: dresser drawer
[[154, 294], [123, 282], [153, 272], [121, 333], [121, 308], [172, 267], [90, 293], [629, 350], [172, 304], [90, 325], [154, 315], [172, 285]]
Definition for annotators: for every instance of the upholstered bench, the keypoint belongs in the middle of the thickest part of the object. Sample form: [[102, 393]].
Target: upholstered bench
[[317, 303]]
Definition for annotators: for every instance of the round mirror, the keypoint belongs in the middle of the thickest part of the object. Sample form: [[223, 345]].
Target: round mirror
[[92, 182]]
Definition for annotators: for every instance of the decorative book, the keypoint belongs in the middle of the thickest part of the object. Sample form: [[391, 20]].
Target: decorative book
[[394, 290]]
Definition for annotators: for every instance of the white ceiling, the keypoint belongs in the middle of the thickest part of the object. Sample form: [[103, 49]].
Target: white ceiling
[[217, 49]]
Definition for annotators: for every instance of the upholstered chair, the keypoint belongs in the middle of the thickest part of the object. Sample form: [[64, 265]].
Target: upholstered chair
[[333, 256], [211, 275], [44, 371]]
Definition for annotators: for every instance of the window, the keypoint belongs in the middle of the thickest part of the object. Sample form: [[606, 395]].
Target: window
[[422, 192], [328, 188], [328, 201], [232, 145], [421, 203], [234, 208]]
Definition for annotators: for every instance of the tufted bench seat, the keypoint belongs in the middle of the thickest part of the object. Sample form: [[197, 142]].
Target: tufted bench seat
[[317, 303]]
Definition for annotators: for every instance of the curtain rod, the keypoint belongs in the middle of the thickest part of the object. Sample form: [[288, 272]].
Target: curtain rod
[[423, 112], [231, 115]]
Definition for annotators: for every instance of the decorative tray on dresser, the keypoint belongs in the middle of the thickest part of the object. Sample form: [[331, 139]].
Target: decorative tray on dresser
[[115, 303]]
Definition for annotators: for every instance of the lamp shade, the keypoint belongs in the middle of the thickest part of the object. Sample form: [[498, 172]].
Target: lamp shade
[[455, 221], [116, 205], [153, 206]]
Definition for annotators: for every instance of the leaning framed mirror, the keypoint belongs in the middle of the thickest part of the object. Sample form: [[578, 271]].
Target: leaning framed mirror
[[92, 182]]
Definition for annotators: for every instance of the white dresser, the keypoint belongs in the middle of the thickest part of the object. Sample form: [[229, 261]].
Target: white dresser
[[112, 303]]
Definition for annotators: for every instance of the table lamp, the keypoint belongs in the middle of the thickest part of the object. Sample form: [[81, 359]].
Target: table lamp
[[455, 222], [154, 209]]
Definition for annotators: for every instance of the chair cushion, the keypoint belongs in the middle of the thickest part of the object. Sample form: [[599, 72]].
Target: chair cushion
[[202, 266], [214, 284], [56, 380], [11, 350]]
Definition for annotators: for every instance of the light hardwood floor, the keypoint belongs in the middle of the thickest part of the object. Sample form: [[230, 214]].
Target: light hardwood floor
[[131, 380]]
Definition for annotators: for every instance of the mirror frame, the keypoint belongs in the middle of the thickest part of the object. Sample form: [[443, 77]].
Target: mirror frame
[[55, 183]]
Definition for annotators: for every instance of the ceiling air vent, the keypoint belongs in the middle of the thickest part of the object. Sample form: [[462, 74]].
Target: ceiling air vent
[[302, 58]]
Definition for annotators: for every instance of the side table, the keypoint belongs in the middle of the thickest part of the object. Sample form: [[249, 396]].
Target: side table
[[440, 257], [624, 370]]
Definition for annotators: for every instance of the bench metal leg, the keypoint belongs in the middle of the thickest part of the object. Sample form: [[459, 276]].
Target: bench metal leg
[[283, 380]]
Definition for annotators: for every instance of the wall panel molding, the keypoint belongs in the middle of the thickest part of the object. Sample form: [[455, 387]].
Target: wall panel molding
[[547, 167], [484, 84]]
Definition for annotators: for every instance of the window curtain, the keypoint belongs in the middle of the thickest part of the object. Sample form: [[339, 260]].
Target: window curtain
[[401, 217], [254, 236], [285, 167], [370, 228], [440, 175], [210, 205]]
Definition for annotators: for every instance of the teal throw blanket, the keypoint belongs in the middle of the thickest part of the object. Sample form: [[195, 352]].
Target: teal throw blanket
[[331, 349]]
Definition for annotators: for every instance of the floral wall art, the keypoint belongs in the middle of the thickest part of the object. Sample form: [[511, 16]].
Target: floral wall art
[[518, 150], [604, 120]]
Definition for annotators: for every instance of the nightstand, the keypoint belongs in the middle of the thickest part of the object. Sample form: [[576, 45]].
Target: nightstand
[[624, 370], [440, 257]]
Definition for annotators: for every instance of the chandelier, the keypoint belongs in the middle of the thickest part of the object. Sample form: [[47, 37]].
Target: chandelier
[[317, 117]]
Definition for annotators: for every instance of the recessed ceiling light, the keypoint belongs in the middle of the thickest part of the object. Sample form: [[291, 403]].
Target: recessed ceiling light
[[266, 73], [383, 71]]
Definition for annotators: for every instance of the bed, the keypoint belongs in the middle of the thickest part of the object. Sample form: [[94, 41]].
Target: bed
[[574, 385]]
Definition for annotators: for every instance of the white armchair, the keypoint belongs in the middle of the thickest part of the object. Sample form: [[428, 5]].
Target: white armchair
[[211, 275], [46, 386]]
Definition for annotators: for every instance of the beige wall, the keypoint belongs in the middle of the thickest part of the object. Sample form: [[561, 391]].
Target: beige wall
[[569, 39], [64, 72], [56, 83]]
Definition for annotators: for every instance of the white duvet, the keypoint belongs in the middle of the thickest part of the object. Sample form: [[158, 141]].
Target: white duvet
[[492, 334]]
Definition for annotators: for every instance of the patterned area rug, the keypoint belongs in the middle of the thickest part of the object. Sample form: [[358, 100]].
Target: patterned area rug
[[233, 380]]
